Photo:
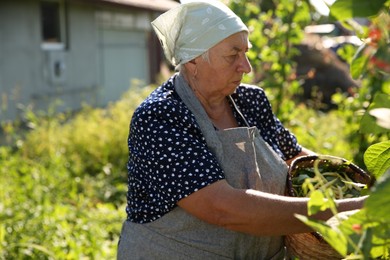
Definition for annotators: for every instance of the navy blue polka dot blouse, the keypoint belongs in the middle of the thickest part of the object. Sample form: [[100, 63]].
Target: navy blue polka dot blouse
[[169, 158]]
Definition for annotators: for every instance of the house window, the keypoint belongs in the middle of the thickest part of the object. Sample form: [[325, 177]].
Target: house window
[[53, 24]]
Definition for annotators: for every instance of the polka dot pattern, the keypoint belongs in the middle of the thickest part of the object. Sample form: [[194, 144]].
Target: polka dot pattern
[[169, 158]]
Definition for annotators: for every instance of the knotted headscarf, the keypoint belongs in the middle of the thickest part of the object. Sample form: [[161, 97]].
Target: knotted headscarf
[[190, 29]]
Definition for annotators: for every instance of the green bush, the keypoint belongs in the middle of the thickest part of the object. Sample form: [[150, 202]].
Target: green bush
[[63, 186], [324, 133]]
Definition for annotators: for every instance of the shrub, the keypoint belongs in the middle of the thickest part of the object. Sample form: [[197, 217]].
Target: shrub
[[63, 187]]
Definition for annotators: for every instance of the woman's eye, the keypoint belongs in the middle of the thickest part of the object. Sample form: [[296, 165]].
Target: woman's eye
[[232, 58]]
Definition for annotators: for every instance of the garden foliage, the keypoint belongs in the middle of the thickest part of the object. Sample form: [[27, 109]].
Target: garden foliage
[[63, 183], [366, 234], [63, 180]]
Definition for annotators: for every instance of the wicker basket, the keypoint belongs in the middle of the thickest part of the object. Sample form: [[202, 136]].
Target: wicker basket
[[312, 245]]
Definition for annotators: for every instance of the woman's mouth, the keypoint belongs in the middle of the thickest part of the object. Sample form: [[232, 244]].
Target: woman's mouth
[[237, 82]]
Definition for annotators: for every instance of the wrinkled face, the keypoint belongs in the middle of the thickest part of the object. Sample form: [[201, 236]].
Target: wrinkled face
[[226, 66]]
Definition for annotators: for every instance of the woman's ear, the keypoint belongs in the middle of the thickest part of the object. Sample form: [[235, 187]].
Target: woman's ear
[[191, 67]]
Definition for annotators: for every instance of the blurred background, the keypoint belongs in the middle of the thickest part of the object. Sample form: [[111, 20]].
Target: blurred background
[[73, 71]]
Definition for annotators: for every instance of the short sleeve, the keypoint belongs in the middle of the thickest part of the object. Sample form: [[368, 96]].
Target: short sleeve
[[168, 158], [287, 142]]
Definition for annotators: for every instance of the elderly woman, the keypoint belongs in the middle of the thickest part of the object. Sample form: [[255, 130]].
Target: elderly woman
[[208, 158]]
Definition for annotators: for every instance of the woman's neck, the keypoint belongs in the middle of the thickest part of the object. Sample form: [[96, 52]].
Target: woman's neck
[[220, 113], [217, 106]]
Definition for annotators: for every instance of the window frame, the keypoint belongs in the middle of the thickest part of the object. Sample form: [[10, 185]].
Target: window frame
[[62, 43]]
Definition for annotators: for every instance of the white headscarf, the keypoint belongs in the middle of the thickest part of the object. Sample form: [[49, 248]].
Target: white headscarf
[[189, 30]]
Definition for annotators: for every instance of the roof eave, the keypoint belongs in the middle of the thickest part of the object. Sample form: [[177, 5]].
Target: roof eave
[[152, 5]]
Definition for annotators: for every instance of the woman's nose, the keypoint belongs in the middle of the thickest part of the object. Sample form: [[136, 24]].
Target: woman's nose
[[245, 65]]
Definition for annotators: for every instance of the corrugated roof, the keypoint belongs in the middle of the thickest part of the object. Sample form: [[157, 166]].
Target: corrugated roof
[[155, 5]]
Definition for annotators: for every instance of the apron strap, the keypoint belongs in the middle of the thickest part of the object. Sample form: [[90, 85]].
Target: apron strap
[[191, 101], [238, 111]]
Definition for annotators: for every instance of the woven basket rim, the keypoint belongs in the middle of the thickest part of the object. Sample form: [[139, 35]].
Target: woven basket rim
[[365, 177], [326, 157]]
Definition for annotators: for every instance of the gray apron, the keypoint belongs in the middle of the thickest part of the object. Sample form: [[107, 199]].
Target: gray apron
[[248, 162]]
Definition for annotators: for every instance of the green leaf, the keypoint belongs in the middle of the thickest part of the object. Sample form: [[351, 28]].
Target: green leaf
[[317, 202], [378, 203], [361, 235], [365, 235], [386, 85], [333, 236], [359, 62], [376, 246], [368, 124], [377, 158], [346, 9]]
